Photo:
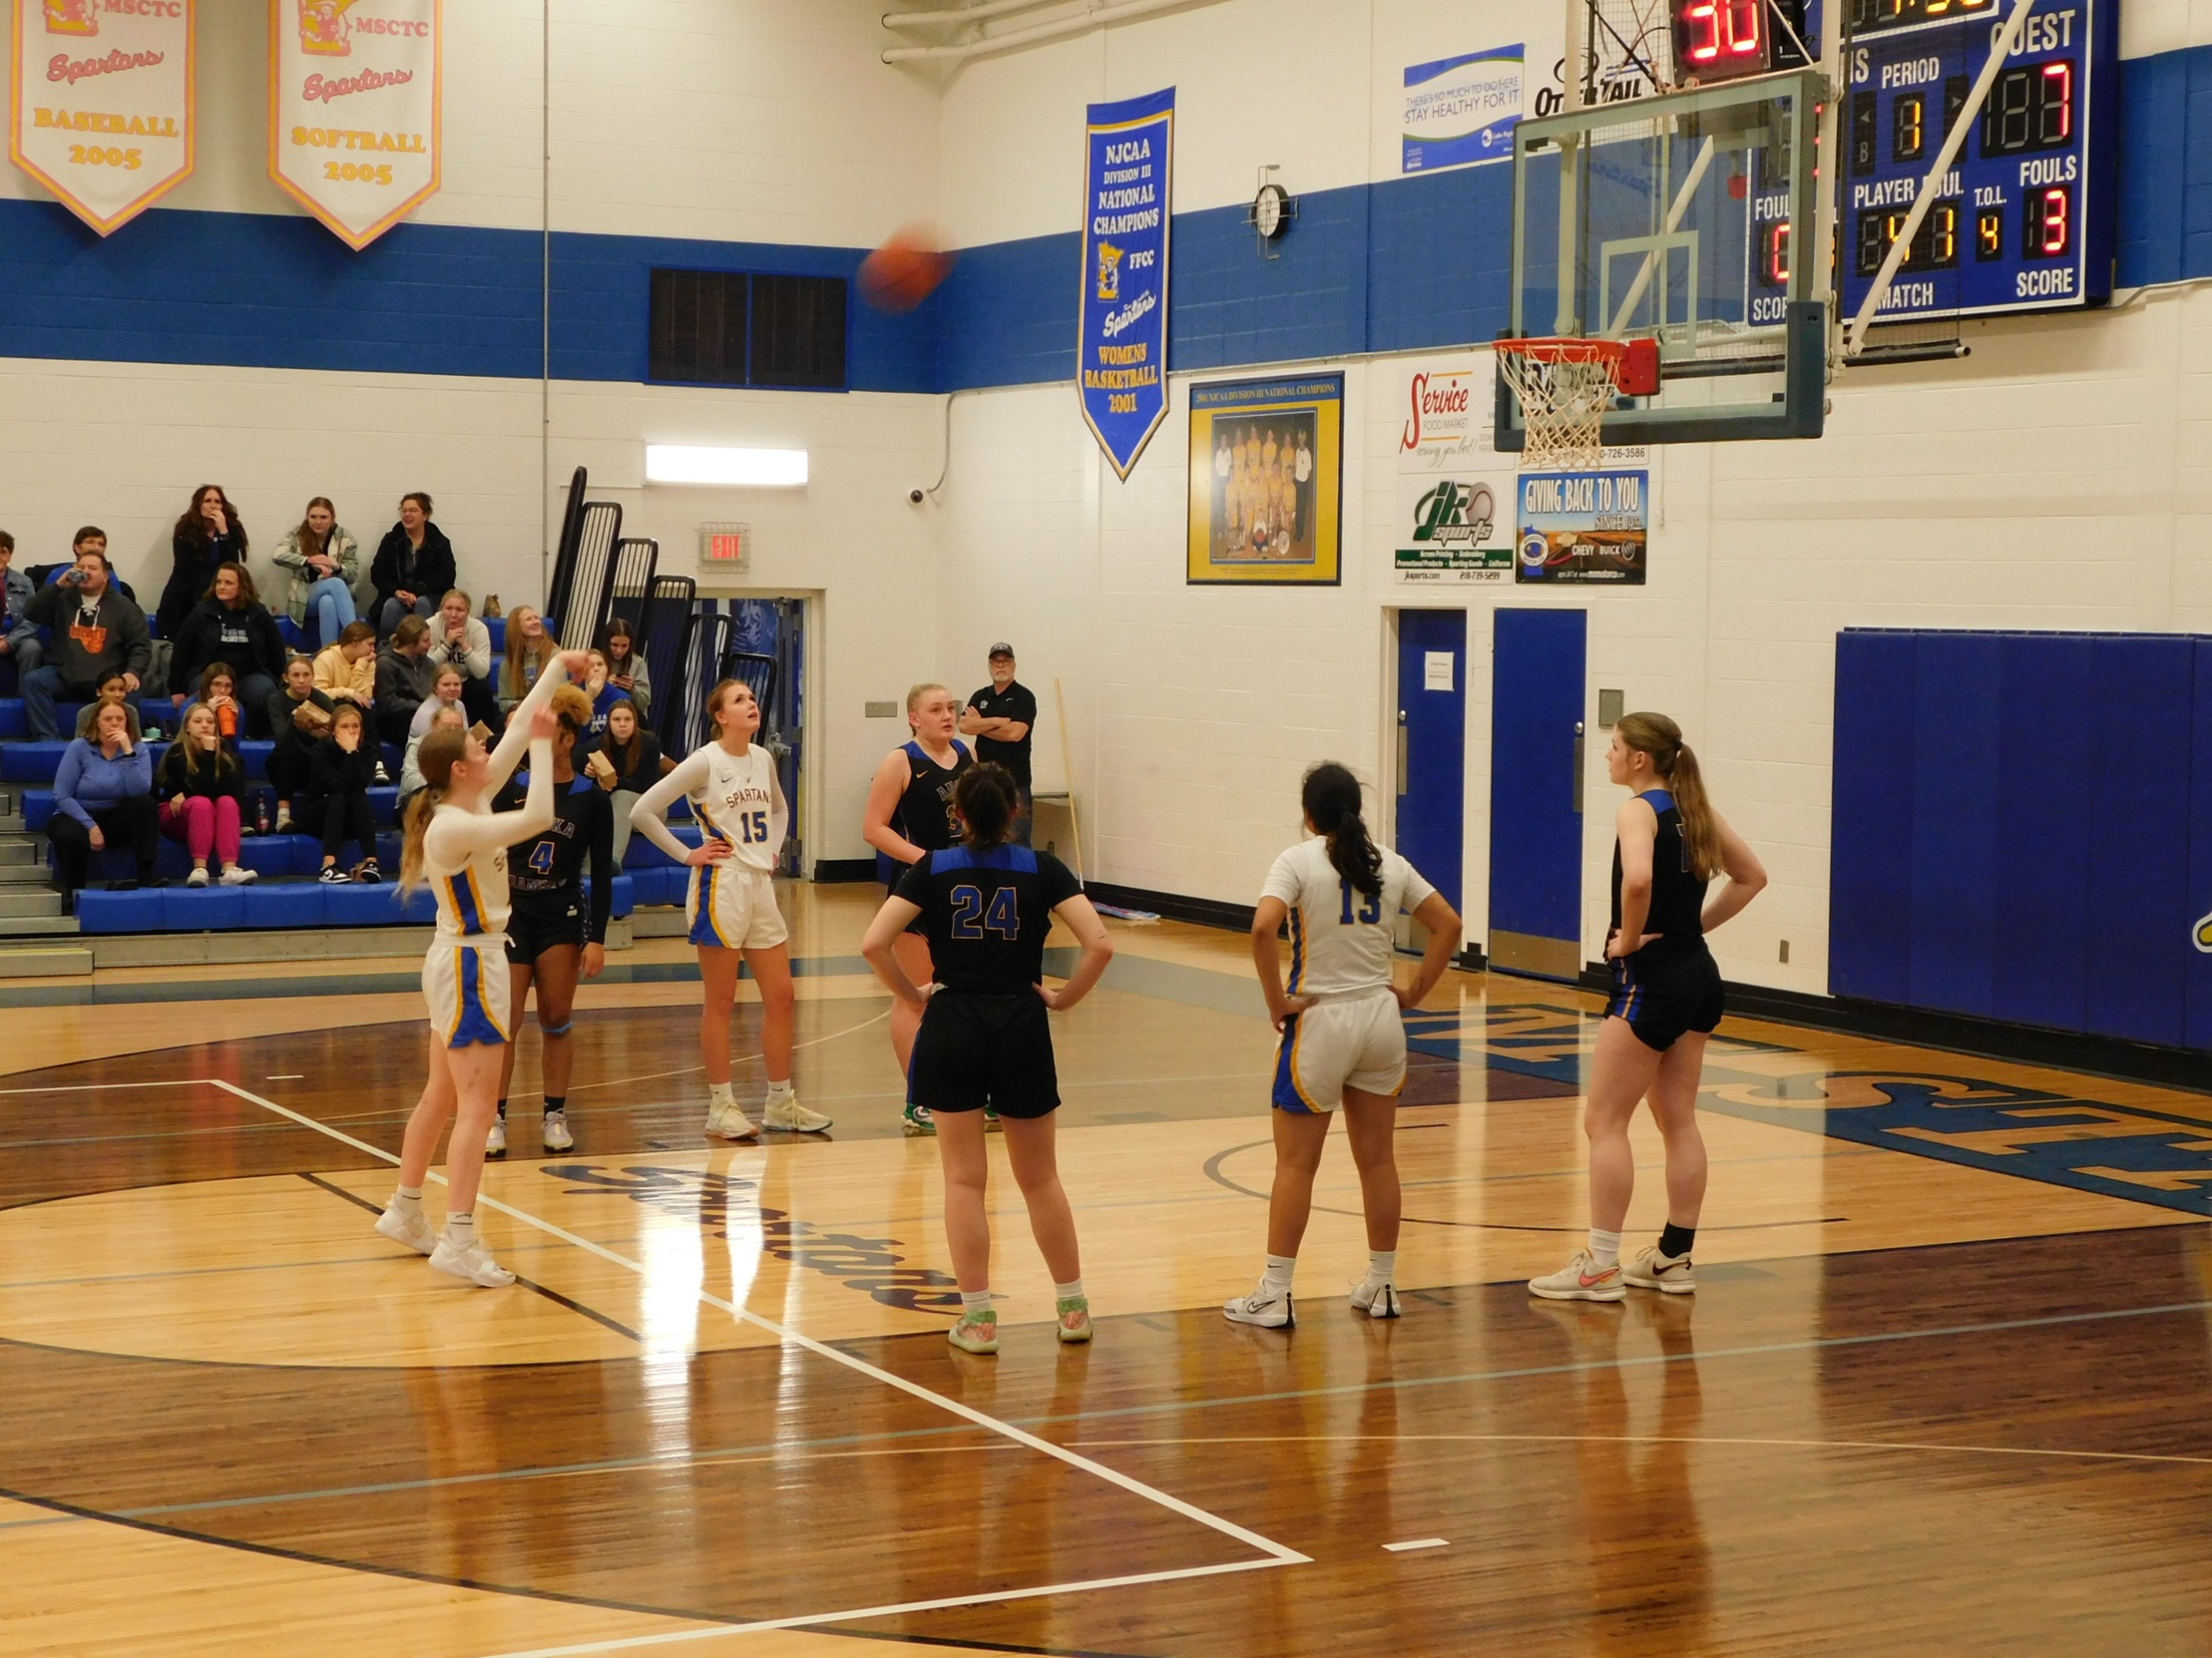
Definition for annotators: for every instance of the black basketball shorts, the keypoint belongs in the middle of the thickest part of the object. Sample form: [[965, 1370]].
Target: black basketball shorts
[[1666, 994], [530, 932], [978, 1050]]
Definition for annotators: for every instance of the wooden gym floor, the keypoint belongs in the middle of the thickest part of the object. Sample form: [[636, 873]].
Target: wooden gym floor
[[1944, 1388]]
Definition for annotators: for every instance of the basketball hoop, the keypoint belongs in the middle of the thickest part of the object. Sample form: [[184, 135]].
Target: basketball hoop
[[1567, 387]]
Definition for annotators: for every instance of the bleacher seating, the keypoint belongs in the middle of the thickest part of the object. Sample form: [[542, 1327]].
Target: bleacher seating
[[286, 895]]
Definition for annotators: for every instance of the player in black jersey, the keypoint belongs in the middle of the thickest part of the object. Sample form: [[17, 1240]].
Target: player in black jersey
[[556, 933], [985, 1039], [1667, 999], [910, 815]]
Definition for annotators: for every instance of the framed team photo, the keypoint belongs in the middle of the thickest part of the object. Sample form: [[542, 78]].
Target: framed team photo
[[1267, 480]]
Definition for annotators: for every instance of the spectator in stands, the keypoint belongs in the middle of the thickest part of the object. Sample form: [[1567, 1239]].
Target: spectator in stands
[[451, 717], [458, 639], [94, 628], [627, 763], [230, 624], [445, 693], [298, 718], [103, 787], [201, 783], [604, 693], [626, 669], [529, 648], [404, 677], [413, 568], [110, 690], [19, 640], [340, 772], [325, 563], [346, 671], [218, 689], [208, 535]]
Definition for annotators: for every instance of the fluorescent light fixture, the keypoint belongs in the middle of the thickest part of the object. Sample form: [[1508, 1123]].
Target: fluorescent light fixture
[[678, 463]]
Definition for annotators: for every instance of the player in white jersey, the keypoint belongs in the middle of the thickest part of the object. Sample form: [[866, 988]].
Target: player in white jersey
[[1342, 1037], [739, 802], [456, 845]]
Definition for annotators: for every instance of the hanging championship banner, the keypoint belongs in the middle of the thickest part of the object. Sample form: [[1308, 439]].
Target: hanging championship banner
[[102, 103], [1122, 348], [354, 114]]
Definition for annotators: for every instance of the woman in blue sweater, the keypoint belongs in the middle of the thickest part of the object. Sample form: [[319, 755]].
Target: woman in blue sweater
[[104, 791]]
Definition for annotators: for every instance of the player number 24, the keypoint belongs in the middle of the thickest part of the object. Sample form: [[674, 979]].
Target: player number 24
[[1002, 918]]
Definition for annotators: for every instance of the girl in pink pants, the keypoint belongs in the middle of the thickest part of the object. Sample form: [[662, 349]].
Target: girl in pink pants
[[202, 787]]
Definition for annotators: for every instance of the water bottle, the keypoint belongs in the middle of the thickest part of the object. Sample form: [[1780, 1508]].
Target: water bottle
[[261, 814]]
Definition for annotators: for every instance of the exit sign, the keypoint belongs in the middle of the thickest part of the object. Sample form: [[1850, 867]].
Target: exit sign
[[727, 545]]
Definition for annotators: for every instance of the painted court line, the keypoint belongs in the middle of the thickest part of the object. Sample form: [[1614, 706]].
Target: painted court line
[[1418, 1542], [1276, 1553], [676, 1636]]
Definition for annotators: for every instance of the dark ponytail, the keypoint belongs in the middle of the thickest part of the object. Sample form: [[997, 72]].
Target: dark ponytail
[[1331, 798], [985, 797]]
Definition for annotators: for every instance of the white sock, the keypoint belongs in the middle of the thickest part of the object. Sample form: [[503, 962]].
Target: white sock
[[974, 1301], [1069, 1291], [1605, 1248], [779, 1091], [1382, 1265], [461, 1229], [718, 1093], [408, 1197], [1275, 1280]]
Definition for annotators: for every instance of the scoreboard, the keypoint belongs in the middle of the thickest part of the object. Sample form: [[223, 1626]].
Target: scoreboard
[[2024, 218]]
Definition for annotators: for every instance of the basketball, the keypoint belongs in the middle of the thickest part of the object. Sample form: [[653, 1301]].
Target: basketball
[[905, 271]]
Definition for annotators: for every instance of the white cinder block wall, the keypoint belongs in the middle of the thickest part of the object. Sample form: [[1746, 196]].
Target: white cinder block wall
[[765, 121], [2055, 478]]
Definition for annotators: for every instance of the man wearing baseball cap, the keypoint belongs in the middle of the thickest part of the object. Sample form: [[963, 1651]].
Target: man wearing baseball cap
[[1000, 718]]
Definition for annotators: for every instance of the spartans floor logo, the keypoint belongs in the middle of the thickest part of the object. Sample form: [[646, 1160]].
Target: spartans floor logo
[[1455, 515]]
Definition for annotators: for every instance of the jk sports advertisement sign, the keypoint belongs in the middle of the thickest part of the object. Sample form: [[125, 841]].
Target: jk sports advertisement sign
[[354, 112], [1122, 349], [1455, 495], [101, 103]]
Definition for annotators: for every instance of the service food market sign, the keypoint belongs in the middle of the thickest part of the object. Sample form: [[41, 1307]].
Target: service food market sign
[[355, 109], [101, 100]]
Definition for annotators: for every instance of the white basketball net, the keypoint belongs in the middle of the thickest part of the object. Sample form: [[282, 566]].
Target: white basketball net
[[1563, 395]]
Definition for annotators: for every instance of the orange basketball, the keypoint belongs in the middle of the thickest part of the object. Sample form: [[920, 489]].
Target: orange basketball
[[905, 271]]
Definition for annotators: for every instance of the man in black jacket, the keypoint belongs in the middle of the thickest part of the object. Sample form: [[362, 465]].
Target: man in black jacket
[[93, 629]]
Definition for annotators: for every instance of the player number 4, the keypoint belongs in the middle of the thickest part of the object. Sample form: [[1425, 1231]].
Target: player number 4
[[1003, 917]]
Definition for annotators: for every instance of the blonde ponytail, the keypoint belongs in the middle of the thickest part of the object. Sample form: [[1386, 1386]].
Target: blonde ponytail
[[1672, 758]]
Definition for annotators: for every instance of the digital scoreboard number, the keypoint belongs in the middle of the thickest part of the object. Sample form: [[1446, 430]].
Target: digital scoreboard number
[[2023, 221]]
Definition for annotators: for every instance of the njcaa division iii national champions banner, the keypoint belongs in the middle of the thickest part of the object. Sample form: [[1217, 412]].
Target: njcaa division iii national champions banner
[[1121, 345]]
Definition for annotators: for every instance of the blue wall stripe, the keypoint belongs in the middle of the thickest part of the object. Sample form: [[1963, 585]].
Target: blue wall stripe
[[1402, 264]]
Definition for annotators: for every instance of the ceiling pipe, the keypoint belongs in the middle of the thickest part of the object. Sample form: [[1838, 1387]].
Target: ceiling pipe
[[961, 14], [1097, 16]]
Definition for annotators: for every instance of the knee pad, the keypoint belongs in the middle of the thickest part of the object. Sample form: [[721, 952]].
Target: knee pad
[[560, 1030]]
